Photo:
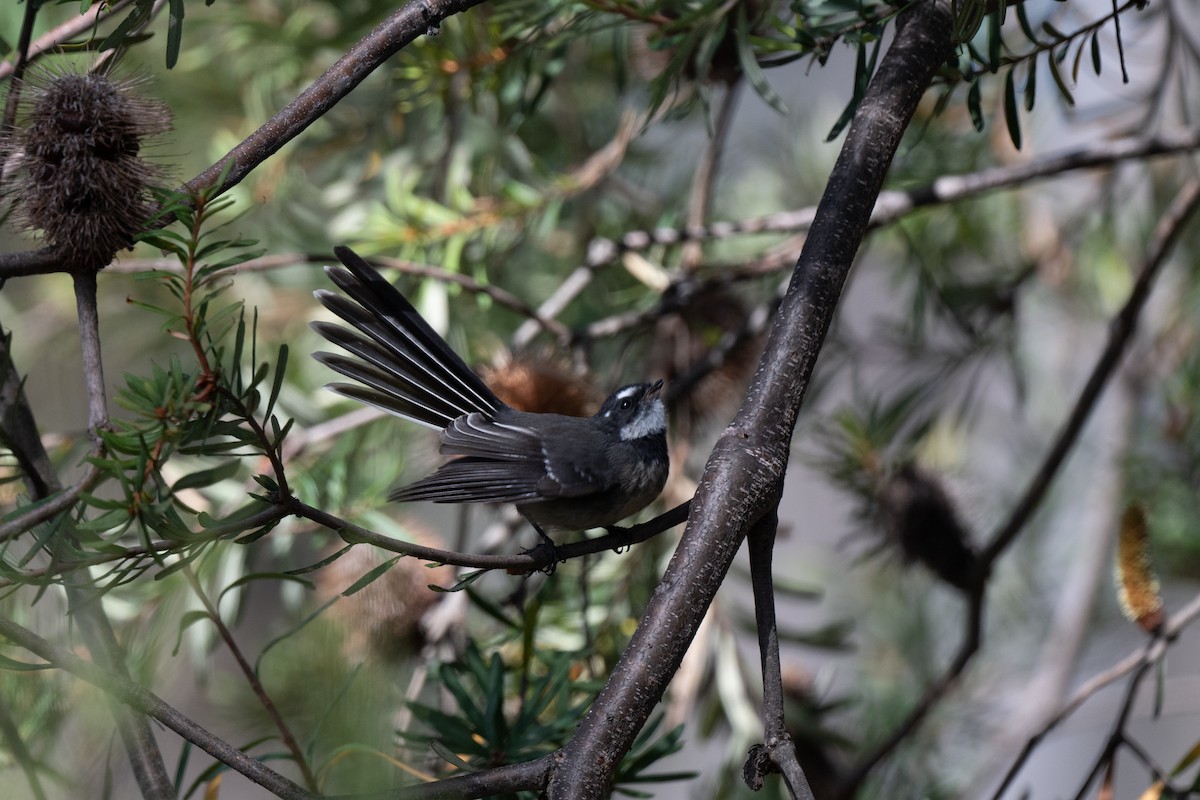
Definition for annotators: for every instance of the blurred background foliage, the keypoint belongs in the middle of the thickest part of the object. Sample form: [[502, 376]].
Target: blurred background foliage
[[502, 149]]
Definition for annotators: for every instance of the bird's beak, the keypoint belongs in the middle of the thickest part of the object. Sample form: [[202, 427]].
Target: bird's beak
[[654, 389]]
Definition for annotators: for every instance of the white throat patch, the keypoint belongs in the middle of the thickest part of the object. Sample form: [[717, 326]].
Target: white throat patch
[[651, 421]]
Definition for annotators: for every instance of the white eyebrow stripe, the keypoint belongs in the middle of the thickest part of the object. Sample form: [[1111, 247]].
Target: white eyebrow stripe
[[627, 392]]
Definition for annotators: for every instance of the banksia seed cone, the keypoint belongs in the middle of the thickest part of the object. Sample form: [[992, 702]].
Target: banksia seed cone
[[79, 179], [540, 385], [918, 516]]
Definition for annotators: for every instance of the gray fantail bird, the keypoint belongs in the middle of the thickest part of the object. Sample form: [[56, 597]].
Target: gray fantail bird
[[566, 473]]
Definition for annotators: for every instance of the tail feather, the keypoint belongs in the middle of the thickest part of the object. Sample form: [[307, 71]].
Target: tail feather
[[468, 480], [388, 391], [409, 370]]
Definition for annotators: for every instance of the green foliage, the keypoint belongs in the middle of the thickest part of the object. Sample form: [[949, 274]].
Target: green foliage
[[484, 733]]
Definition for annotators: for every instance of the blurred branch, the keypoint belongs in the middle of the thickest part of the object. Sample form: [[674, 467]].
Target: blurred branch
[[142, 700], [1121, 331], [68, 30], [890, 206], [18, 430], [853, 777], [10, 734], [54, 505], [1154, 651], [275, 261], [89, 341], [700, 197]]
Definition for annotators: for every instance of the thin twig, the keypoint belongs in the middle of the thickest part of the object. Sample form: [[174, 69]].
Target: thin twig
[[532, 561], [890, 206], [700, 197], [18, 70], [777, 752], [285, 733], [52, 507], [89, 341], [1150, 653], [268, 515], [73, 27], [11, 736], [146, 702]]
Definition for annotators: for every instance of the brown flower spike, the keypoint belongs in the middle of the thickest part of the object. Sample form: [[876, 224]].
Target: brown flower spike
[[1137, 585], [79, 178]]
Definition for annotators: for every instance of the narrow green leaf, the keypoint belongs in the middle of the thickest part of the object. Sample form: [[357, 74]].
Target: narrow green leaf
[[186, 621], [324, 562], [1026, 28], [370, 577], [450, 757], [1053, 31], [258, 576], [14, 665], [1096, 53], [1058, 80], [750, 66], [464, 581], [1012, 114], [207, 477], [1031, 84], [994, 40], [277, 384], [973, 106], [1187, 760], [185, 754], [290, 632], [1076, 64]]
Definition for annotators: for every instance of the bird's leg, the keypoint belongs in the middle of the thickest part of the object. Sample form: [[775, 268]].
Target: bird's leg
[[617, 530], [546, 543]]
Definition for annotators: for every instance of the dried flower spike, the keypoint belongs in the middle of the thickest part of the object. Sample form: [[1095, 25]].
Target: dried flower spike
[[540, 384], [79, 178], [917, 515], [1137, 585]]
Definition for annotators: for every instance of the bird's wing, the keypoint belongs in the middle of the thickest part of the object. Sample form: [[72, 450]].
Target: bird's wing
[[505, 462]]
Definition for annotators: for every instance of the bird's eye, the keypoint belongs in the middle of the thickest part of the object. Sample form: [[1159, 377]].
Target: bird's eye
[[626, 404]]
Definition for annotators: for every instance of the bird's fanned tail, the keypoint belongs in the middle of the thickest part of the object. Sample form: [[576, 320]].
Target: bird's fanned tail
[[403, 365]]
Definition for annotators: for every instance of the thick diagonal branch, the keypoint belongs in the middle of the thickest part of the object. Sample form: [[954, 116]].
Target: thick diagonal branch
[[744, 476]]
